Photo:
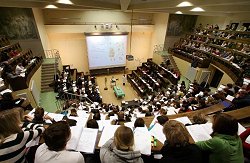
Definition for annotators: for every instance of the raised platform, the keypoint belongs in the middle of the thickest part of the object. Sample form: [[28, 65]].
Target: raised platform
[[107, 70]]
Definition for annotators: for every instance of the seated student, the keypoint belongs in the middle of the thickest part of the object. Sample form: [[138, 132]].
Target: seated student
[[92, 123], [161, 120], [73, 112], [225, 145], [13, 139], [53, 150], [120, 120], [97, 116], [39, 116], [242, 99], [177, 148], [139, 122], [120, 148], [19, 69]]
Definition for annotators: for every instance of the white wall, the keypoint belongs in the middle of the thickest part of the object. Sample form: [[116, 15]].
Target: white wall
[[38, 15], [204, 20], [222, 21], [237, 18], [71, 43], [160, 21]]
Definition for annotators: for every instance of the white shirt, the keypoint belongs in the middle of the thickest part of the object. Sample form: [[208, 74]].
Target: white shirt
[[43, 154], [19, 69]]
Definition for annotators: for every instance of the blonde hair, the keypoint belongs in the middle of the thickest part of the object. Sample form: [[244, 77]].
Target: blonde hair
[[176, 133], [124, 138], [9, 122]]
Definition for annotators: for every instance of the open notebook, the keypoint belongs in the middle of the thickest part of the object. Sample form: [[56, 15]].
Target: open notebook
[[82, 139], [202, 132]]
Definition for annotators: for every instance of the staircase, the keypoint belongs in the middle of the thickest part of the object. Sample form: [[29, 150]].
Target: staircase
[[173, 65], [48, 72]]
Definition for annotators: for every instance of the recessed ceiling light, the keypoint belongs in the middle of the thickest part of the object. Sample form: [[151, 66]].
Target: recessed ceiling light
[[68, 2], [197, 9], [178, 12], [51, 6], [184, 4]]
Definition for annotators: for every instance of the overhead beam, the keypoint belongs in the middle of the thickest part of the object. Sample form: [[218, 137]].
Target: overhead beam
[[124, 4], [173, 4], [79, 3]]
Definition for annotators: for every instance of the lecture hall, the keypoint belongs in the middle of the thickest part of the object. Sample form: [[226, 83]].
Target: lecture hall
[[124, 81]]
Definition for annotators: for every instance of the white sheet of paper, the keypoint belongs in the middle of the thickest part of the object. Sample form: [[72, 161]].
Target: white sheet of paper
[[107, 133], [103, 123], [130, 125], [75, 136], [157, 132], [81, 121], [230, 98], [183, 120], [142, 140], [87, 140], [198, 133], [56, 117]]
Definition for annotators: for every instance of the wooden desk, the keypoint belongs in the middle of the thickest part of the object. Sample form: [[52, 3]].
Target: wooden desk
[[240, 113], [206, 111]]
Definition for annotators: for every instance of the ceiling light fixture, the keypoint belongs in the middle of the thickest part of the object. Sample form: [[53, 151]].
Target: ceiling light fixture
[[178, 12], [197, 9], [67, 2], [51, 6], [184, 4]]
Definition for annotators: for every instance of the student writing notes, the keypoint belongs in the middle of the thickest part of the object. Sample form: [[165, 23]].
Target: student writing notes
[[120, 148], [13, 139], [53, 150], [177, 148], [225, 145]]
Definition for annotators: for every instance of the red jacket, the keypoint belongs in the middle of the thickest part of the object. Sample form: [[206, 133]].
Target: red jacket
[[243, 137]]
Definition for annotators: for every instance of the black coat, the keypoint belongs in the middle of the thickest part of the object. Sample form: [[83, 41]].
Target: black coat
[[188, 154]]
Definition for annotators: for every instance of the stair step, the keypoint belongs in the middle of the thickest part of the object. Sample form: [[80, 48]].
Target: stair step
[[46, 82], [48, 69]]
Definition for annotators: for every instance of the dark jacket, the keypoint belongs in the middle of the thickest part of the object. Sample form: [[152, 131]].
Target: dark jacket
[[188, 154]]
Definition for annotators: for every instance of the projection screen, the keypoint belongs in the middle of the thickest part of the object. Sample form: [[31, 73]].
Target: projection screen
[[106, 51]]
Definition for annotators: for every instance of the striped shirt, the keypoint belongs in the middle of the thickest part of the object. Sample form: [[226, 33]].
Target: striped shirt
[[13, 149]]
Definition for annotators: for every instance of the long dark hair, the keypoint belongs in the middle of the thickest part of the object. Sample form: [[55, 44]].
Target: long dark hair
[[224, 124]]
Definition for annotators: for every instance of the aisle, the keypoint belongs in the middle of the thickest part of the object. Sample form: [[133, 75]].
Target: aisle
[[108, 96]]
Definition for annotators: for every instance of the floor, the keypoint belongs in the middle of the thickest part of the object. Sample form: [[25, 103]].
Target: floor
[[48, 101], [108, 96]]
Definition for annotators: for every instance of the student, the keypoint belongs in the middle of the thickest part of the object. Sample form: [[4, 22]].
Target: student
[[53, 150], [177, 148], [92, 123], [120, 148], [139, 122], [225, 145], [13, 139], [124, 79], [39, 117], [19, 69]]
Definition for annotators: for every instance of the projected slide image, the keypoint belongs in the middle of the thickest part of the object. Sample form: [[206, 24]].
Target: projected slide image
[[106, 51]]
